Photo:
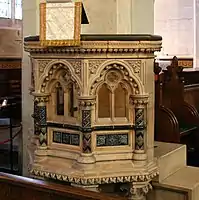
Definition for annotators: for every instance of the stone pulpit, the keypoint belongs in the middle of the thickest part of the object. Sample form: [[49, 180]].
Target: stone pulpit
[[94, 109]]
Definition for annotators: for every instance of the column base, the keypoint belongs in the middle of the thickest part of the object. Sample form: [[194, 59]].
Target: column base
[[85, 162], [86, 158], [139, 158]]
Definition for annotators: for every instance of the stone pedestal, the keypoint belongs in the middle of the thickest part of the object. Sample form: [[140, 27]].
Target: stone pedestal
[[92, 111]]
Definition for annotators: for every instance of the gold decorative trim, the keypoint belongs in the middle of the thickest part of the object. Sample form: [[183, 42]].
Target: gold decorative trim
[[96, 180], [185, 63], [77, 28], [77, 25], [42, 21], [10, 65]]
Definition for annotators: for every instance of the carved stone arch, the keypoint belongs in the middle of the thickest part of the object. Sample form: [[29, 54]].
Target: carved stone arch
[[135, 82], [52, 85], [124, 82], [51, 71], [131, 69]]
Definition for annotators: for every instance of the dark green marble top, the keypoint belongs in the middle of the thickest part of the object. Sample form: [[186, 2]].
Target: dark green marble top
[[108, 37]]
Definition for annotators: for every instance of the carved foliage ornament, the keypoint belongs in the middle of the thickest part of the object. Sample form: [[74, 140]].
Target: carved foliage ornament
[[50, 76], [41, 99], [76, 64], [136, 65], [95, 64], [138, 192], [87, 102], [113, 75], [139, 101], [42, 64]]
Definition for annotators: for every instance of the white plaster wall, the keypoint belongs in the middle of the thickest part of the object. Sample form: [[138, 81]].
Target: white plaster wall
[[30, 27], [174, 21], [10, 38], [143, 16], [101, 15], [10, 42]]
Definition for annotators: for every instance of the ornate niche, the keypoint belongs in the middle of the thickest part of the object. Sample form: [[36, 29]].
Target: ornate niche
[[113, 99], [61, 107], [114, 117], [62, 104]]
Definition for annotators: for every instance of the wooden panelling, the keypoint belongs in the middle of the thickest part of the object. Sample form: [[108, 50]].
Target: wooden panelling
[[14, 188], [176, 115]]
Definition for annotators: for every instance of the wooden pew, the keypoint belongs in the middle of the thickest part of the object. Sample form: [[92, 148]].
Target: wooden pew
[[191, 86], [20, 188], [176, 120]]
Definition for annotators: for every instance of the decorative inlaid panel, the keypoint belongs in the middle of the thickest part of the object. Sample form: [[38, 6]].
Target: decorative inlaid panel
[[86, 118], [66, 138], [42, 115], [112, 140]]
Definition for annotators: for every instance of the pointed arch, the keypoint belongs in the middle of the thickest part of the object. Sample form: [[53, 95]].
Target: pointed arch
[[52, 69], [124, 69]]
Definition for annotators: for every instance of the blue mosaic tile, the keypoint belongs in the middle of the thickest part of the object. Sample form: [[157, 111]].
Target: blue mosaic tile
[[75, 139], [66, 138], [112, 140], [101, 140], [42, 114], [57, 137]]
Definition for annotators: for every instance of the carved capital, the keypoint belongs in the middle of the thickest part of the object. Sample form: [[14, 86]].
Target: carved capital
[[40, 98], [138, 192], [87, 101], [139, 101]]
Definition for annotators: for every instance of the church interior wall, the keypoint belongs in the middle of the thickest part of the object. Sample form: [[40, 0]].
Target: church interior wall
[[10, 38], [101, 15], [174, 21]]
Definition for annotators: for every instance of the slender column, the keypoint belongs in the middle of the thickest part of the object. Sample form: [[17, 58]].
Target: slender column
[[40, 114], [36, 117], [140, 102], [86, 112]]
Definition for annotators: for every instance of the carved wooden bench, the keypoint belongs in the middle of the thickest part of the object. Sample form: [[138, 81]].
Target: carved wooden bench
[[175, 119], [15, 187]]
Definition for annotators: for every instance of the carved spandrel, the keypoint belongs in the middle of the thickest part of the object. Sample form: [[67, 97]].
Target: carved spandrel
[[76, 64], [124, 75], [66, 76], [136, 65], [94, 65], [42, 64]]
